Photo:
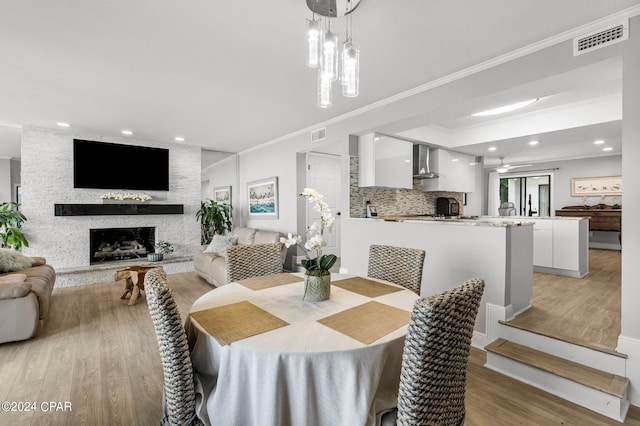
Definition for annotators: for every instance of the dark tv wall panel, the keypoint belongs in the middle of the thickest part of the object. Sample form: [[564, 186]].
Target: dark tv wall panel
[[116, 209]]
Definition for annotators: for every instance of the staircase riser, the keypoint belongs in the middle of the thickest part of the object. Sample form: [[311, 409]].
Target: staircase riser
[[592, 399], [579, 354]]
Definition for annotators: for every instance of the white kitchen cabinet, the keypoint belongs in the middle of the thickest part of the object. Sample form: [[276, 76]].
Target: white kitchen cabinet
[[560, 244], [543, 243], [567, 234], [385, 161], [457, 174]]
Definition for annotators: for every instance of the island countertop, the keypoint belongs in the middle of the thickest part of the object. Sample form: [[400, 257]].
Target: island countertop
[[464, 220]]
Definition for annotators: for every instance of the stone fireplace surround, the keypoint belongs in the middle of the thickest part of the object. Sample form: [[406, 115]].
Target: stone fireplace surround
[[47, 179]]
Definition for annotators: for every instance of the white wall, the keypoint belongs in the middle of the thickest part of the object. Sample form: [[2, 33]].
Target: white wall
[[5, 180], [629, 341], [47, 179]]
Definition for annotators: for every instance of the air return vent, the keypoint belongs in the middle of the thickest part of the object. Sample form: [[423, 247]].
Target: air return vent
[[319, 134], [601, 38]]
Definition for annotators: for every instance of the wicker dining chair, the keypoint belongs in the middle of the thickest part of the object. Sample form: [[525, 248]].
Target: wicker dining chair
[[399, 265], [253, 260], [434, 360], [178, 395]]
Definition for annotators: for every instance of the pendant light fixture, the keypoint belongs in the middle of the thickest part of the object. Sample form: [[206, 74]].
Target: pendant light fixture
[[333, 60]]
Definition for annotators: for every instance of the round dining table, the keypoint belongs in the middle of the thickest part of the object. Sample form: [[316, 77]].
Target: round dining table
[[304, 371]]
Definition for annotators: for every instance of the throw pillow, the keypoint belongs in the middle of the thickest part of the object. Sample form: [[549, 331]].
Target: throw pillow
[[12, 278], [219, 243], [11, 260], [14, 290]]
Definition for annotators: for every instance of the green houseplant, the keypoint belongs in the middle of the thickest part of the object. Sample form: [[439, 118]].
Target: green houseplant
[[215, 219], [11, 220]]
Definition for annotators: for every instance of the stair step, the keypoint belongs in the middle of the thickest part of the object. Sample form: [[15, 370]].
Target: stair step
[[611, 384], [571, 340]]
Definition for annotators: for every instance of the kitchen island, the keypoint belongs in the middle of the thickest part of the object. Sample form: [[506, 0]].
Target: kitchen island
[[500, 252]]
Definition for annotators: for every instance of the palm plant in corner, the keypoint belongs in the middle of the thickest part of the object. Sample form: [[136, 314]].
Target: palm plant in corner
[[215, 219], [11, 220], [317, 278]]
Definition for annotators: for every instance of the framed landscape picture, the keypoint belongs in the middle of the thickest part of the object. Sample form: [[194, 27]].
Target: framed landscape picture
[[222, 194], [263, 198], [601, 185]]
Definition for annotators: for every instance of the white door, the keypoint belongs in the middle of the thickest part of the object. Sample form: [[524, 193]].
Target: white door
[[323, 175]]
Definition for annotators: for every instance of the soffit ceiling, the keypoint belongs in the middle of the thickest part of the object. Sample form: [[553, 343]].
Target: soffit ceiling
[[227, 76]]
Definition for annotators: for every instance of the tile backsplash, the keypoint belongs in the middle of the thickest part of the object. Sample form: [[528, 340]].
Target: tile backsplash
[[393, 201]]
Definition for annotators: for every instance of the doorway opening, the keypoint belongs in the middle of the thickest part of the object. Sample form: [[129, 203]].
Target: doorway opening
[[530, 195]]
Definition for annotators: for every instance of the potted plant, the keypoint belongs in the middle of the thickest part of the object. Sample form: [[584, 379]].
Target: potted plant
[[215, 219], [317, 278], [162, 248], [11, 220]]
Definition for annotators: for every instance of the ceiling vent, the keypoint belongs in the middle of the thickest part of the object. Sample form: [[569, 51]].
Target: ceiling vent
[[319, 134], [601, 38]]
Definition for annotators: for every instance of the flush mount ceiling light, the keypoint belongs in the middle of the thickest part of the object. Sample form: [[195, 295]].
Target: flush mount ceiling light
[[607, 149], [532, 143], [492, 148], [505, 108], [179, 139], [334, 62], [598, 142], [127, 132], [63, 124]]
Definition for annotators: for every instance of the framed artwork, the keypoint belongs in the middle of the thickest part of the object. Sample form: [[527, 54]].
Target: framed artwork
[[600, 185], [263, 198], [222, 194], [372, 211]]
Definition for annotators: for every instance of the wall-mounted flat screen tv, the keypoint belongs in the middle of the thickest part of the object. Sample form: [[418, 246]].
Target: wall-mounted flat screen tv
[[114, 166]]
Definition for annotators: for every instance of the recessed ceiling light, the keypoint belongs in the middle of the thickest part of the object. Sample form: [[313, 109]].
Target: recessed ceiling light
[[127, 132], [533, 143], [505, 108], [472, 163], [607, 149], [492, 148], [179, 139], [455, 159], [63, 124], [598, 142]]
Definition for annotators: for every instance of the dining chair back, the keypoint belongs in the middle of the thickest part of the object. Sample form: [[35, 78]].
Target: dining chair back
[[399, 265], [434, 360], [178, 397], [253, 260]]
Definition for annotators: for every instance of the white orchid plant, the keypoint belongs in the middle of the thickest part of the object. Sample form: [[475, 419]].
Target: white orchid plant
[[319, 264]]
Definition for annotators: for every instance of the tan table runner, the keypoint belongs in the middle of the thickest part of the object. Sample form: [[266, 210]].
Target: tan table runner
[[368, 322], [366, 287], [268, 281], [236, 321]]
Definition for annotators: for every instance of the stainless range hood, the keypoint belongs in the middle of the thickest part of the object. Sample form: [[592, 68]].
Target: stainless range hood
[[421, 167]]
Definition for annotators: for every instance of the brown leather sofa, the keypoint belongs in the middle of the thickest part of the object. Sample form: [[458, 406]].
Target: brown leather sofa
[[212, 265], [24, 307]]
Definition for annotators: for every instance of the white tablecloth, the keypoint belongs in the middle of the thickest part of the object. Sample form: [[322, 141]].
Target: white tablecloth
[[303, 374]]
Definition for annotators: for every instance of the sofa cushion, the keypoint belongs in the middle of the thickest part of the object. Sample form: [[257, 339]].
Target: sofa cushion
[[14, 290], [37, 261], [245, 235], [263, 237], [219, 243], [11, 260], [12, 278]]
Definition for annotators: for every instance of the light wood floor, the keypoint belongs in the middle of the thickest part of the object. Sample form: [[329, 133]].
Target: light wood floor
[[581, 310], [101, 355]]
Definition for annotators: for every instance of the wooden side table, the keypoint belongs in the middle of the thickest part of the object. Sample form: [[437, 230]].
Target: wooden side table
[[134, 280]]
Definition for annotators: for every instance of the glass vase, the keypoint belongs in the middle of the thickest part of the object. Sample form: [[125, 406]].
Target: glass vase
[[317, 287]]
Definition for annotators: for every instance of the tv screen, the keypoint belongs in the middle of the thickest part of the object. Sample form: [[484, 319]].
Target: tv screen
[[114, 166]]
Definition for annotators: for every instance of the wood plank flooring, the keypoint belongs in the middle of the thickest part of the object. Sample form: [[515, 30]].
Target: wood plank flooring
[[101, 355], [581, 310]]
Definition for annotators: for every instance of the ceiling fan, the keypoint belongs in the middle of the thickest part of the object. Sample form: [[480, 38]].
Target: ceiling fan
[[504, 168]]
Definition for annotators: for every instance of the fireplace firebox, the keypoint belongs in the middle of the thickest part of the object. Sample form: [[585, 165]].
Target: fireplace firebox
[[113, 244]]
